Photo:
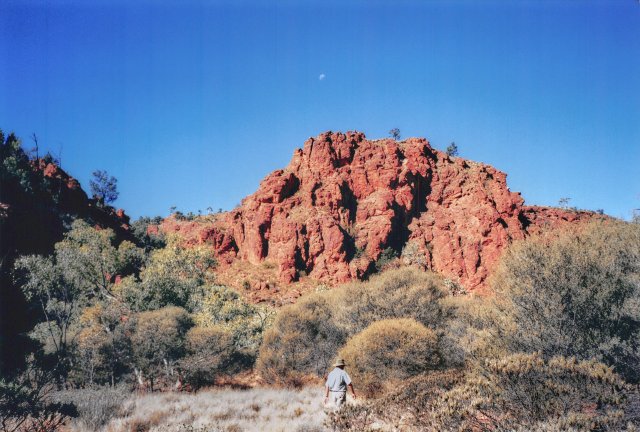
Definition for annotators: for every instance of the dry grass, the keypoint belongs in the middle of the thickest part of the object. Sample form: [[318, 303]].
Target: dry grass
[[264, 410]]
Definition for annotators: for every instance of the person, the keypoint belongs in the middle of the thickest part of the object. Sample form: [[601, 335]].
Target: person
[[337, 383]]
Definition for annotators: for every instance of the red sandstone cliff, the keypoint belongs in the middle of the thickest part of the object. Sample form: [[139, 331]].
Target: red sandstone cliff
[[344, 199]]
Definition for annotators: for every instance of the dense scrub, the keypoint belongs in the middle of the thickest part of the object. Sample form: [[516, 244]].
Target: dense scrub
[[114, 313], [306, 336], [554, 349]]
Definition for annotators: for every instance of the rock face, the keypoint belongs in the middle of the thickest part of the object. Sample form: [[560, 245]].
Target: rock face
[[344, 200]]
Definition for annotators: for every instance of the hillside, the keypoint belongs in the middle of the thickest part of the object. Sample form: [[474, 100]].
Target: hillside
[[344, 201], [38, 201]]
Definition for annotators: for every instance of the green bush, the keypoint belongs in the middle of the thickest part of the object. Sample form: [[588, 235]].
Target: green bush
[[575, 294], [173, 276], [223, 307], [389, 351]]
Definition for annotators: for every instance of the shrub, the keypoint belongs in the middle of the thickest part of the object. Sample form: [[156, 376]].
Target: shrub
[[401, 293], [386, 257], [389, 351], [223, 307], [158, 340], [302, 341], [409, 407], [306, 336], [96, 406], [576, 294], [210, 351], [525, 392]]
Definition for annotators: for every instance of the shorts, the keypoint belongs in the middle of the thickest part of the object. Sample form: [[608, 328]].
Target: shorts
[[338, 398]]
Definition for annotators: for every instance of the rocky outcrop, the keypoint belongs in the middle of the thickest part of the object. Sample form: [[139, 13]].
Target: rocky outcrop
[[343, 200], [38, 200]]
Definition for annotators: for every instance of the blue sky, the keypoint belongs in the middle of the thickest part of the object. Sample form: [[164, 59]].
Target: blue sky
[[192, 103]]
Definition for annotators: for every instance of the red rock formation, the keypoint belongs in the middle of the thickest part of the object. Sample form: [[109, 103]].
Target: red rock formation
[[343, 200]]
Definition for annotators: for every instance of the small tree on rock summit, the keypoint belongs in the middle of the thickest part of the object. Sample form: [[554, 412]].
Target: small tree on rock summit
[[452, 150], [104, 187]]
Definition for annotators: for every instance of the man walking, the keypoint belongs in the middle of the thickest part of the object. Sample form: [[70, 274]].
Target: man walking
[[337, 383]]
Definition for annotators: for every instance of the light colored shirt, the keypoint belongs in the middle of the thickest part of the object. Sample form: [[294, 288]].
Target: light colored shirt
[[338, 380]]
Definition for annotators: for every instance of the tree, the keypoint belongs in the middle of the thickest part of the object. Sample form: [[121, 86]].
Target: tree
[[564, 202], [104, 187], [452, 149], [103, 351], [395, 133], [27, 402], [174, 275], [78, 273]]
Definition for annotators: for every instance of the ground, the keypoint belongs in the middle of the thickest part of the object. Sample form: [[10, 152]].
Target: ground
[[224, 410]]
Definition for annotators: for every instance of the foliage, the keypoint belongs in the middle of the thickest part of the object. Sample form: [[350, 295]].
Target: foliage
[[452, 149], [525, 391], [519, 392], [210, 351], [26, 403], [223, 307], [395, 133], [77, 275], [401, 293], [353, 418], [174, 275], [413, 401], [389, 351], [302, 341], [89, 259], [576, 294], [146, 238], [17, 171], [159, 341], [386, 257], [305, 337], [103, 352], [104, 187], [412, 255], [96, 406]]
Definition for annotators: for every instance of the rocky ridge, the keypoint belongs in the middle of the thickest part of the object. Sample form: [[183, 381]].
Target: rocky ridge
[[344, 201]]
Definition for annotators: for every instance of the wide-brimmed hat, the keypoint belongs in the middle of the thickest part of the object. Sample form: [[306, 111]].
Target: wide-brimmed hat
[[339, 362]]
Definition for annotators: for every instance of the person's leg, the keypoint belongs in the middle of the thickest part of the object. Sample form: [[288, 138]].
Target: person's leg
[[339, 398]]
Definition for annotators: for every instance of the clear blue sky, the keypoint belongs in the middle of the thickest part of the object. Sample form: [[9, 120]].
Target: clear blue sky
[[192, 103]]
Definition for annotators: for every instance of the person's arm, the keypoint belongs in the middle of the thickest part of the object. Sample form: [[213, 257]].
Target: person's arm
[[326, 394], [353, 392]]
